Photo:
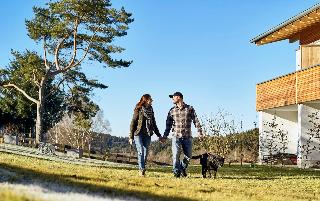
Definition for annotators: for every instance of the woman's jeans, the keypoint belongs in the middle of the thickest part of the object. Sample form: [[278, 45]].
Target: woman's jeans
[[142, 142], [178, 144]]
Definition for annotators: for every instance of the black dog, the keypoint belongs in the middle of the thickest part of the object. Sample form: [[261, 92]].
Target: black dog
[[209, 162]]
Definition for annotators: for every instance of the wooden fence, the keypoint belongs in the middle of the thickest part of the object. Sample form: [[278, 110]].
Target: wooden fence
[[121, 158], [113, 157], [22, 140]]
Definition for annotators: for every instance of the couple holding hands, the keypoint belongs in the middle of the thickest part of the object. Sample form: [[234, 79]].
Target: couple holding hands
[[179, 120]]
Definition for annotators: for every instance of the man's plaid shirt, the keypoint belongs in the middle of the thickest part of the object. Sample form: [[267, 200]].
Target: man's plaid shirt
[[180, 121]]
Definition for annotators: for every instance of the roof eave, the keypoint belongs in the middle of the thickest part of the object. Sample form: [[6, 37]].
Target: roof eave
[[285, 23]]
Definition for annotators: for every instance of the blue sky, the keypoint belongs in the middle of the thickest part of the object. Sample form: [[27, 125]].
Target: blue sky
[[200, 48]]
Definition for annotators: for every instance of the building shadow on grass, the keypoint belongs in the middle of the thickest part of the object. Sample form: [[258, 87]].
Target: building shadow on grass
[[73, 186]]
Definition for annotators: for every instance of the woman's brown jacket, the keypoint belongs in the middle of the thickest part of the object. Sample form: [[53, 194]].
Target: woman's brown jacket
[[137, 122]]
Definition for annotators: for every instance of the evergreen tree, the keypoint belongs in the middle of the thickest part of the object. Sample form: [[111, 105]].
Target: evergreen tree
[[72, 31]]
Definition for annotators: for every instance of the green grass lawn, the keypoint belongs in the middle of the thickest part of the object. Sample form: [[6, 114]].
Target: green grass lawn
[[233, 183]]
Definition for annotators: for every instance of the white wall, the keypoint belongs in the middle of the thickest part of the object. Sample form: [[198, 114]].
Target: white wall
[[287, 121], [306, 160]]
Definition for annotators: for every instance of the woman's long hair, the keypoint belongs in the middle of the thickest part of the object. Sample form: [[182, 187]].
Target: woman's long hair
[[143, 101]]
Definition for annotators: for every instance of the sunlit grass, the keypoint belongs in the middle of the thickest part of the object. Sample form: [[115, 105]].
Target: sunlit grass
[[233, 183]]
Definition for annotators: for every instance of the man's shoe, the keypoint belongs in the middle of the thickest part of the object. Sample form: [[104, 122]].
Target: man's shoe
[[184, 173]]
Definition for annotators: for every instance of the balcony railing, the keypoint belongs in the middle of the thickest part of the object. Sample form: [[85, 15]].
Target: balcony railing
[[294, 88]]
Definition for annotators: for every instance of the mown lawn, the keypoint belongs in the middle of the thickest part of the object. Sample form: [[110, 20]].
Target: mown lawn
[[233, 183]]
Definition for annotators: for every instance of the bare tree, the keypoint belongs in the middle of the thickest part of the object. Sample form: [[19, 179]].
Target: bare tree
[[274, 140], [69, 132], [100, 128], [81, 133], [100, 124], [219, 129], [312, 137]]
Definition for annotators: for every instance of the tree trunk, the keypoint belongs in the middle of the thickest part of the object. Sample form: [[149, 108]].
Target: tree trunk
[[39, 124], [39, 120]]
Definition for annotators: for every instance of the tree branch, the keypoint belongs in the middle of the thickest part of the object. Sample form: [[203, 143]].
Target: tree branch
[[45, 55], [56, 54], [62, 70], [56, 88], [85, 53], [74, 43], [23, 92]]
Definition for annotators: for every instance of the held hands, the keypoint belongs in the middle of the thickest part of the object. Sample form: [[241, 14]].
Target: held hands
[[130, 141]]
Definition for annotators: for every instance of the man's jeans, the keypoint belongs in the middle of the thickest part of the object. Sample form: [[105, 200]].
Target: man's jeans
[[142, 144], [178, 144]]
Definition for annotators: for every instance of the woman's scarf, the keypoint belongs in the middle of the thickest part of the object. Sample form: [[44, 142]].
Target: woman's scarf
[[148, 114]]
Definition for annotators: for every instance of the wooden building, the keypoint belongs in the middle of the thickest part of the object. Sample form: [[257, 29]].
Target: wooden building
[[292, 101]]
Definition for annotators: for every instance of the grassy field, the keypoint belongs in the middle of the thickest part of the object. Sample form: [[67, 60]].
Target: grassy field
[[233, 183]]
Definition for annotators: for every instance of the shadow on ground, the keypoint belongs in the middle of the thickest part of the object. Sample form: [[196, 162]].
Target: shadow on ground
[[258, 172], [24, 174]]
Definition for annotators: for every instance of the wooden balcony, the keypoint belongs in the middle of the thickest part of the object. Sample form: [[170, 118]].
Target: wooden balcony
[[294, 88]]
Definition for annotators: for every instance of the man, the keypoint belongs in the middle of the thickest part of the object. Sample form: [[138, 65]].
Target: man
[[179, 120]]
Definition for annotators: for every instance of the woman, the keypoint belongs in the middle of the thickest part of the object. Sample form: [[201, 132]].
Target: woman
[[142, 127]]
